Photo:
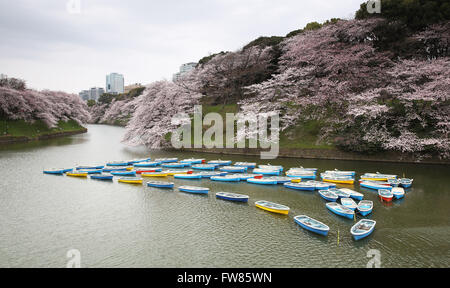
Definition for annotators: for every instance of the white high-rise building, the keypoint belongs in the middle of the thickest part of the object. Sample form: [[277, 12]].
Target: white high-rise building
[[114, 83], [91, 94], [185, 68]]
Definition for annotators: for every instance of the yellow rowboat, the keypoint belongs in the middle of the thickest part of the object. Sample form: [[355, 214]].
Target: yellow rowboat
[[77, 174], [272, 207], [339, 181], [130, 168], [172, 173], [296, 180], [374, 179], [154, 174], [130, 180]]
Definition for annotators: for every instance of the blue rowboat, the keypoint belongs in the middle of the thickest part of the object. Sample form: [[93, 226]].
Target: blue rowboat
[[233, 169], [318, 185], [301, 175], [147, 164], [175, 165], [300, 186], [246, 176], [271, 167], [227, 178], [340, 210], [312, 225], [365, 207], [374, 186], [398, 192], [117, 163], [394, 182], [109, 169], [406, 183], [209, 174], [92, 171], [280, 179], [90, 167], [104, 177], [271, 172], [341, 173], [209, 167], [166, 160], [232, 197], [188, 176], [245, 164], [193, 189], [192, 161], [349, 203], [262, 181], [220, 162], [136, 161], [340, 193], [160, 184], [58, 171], [363, 228], [124, 173], [353, 194], [328, 195]]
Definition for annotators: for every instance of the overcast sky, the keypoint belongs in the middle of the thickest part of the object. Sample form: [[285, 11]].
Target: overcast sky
[[53, 47]]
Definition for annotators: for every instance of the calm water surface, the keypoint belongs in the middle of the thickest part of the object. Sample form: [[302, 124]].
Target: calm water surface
[[119, 225]]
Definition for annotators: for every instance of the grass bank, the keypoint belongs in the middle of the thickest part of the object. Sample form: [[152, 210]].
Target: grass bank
[[12, 131]]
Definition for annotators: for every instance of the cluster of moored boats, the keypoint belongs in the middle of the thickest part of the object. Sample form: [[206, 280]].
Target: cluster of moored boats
[[344, 202]]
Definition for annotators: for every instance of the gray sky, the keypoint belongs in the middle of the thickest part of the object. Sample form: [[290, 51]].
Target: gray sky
[[51, 47]]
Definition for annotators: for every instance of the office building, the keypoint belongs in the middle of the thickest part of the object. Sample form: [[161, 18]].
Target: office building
[[114, 83], [185, 68]]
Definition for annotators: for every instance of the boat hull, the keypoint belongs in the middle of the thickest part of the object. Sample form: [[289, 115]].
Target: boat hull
[[233, 199], [317, 231], [283, 212]]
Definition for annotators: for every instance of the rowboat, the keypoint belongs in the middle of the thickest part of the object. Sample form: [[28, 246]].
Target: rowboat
[[296, 180], [385, 195], [349, 203], [77, 174], [131, 180], [188, 176], [372, 185], [340, 193], [406, 183], [301, 174], [393, 182], [109, 169], [337, 179], [193, 189], [365, 207], [174, 172], [193, 161], [127, 173], [166, 160], [233, 169], [318, 185], [301, 168], [378, 176], [147, 164], [312, 225], [160, 184], [271, 167], [398, 192], [245, 164], [328, 195], [228, 178], [247, 176], [154, 174], [272, 207], [232, 197], [209, 174], [384, 183], [105, 177], [58, 171], [266, 171], [280, 179], [117, 163], [204, 167], [140, 171], [341, 173], [175, 165], [220, 162], [90, 167], [300, 186], [129, 168], [136, 161], [262, 181], [91, 171], [353, 194], [340, 210], [363, 228]]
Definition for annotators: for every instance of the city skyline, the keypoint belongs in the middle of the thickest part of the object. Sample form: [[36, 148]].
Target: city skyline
[[51, 47]]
